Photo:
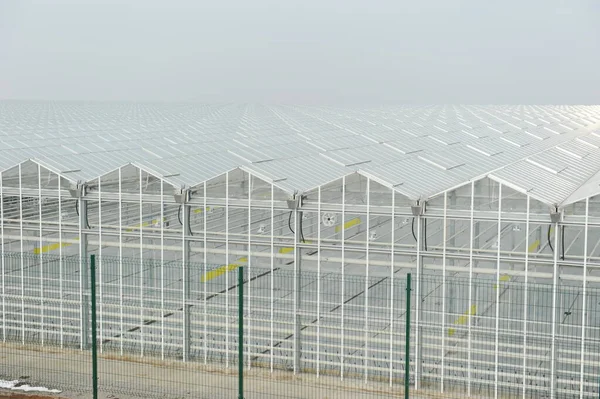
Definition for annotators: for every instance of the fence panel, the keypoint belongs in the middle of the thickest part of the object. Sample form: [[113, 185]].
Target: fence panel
[[160, 335]]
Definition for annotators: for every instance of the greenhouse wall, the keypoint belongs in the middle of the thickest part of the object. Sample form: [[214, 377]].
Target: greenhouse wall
[[505, 296]]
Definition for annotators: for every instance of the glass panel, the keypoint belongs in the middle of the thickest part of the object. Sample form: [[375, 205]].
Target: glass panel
[[486, 195], [239, 184]]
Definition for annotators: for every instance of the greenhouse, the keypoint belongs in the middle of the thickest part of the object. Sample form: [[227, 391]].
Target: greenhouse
[[494, 210]]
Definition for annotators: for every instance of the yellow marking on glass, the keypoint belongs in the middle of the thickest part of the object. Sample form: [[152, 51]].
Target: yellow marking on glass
[[463, 319], [348, 224], [50, 247], [223, 269]]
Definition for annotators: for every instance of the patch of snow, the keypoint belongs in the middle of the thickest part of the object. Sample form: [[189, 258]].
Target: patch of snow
[[13, 385], [8, 384]]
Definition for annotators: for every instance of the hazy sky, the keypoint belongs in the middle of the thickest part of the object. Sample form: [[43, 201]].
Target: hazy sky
[[316, 52]]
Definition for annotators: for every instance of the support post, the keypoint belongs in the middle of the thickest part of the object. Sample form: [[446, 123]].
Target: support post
[[183, 199], [85, 319], [186, 285], [295, 206], [451, 232], [419, 305], [469, 316], [445, 228], [186, 298], [556, 219], [526, 298], [241, 332], [584, 301], [497, 313], [94, 340], [78, 192], [298, 293], [418, 210], [407, 346]]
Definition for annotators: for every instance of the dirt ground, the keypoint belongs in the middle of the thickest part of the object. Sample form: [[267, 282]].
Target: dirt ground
[[135, 378], [25, 395]]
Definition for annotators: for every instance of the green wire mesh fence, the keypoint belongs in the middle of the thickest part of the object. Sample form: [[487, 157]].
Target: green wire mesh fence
[[171, 330]]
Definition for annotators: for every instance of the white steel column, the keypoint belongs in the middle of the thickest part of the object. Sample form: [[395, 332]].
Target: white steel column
[[499, 244], [227, 273], [526, 298], [343, 276], [318, 221], [297, 283], [555, 278], [162, 269], [450, 295], [22, 258], [584, 299], [141, 230], [121, 327], [392, 246], [272, 275], [60, 266], [204, 280], [469, 314], [186, 278], [421, 238], [443, 332], [3, 262], [100, 266], [84, 285], [41, 245], [367, 235], [248, 303]]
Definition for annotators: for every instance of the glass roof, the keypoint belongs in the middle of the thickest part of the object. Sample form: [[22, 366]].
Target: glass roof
[[420, 151]]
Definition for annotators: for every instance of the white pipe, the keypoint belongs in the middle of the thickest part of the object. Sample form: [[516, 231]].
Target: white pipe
[[469, 316], [205, 270], [418, 305], [162, 272], [442, 354], [184, 276], [391, 350], [100, 268], [296, 304], [343, 277], [366, 337], [249, 273], [526, 300], [3, 262], [227, 254], [318, 281], [141, 230], [584, 299], [272, 259], [22, 258], [39, 181], [121, 327], [554, 314], [497, 327], [60, 266]]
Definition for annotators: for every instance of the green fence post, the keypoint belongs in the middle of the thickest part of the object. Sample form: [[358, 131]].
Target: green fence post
[[94, 343], [241, 332], [407, 348]]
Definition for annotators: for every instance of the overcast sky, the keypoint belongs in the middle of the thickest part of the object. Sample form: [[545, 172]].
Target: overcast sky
[[315, 52]]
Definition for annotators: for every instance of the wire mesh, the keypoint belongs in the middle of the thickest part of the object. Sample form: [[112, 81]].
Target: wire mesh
[[171, 330]]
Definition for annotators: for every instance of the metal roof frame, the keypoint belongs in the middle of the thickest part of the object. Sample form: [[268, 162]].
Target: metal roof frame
[[185, 146]]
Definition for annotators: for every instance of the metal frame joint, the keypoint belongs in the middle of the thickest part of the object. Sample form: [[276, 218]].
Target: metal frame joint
[[296, 201], [556, 214], [78, 190], [183, 197], [418, 208]]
